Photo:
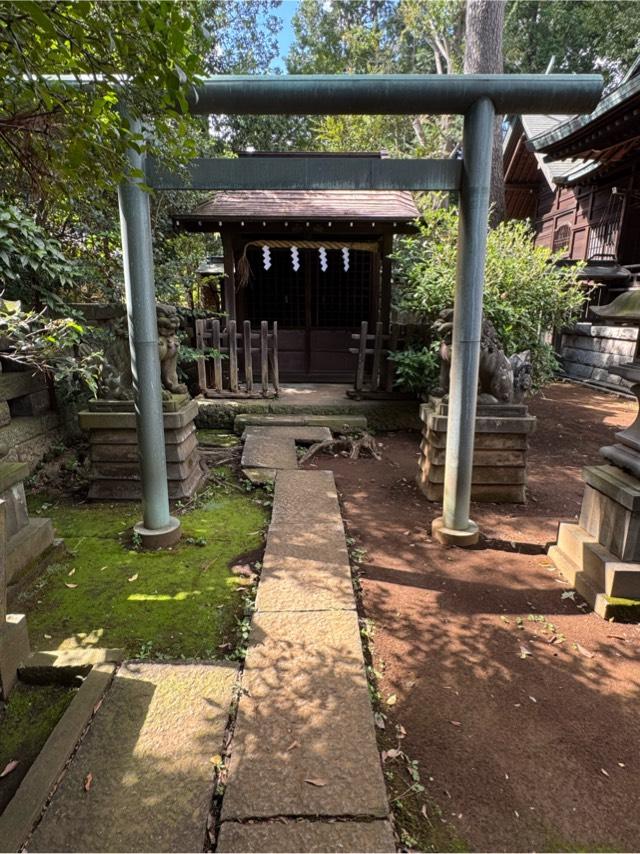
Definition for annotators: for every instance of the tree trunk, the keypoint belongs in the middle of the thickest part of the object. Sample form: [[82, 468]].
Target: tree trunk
[[483, 55]]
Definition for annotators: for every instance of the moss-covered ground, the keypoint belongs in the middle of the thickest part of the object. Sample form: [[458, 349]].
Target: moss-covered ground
[[26, 722], [178, 603]]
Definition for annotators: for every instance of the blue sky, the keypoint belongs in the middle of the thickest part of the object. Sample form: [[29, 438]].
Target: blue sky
[[285, 13]]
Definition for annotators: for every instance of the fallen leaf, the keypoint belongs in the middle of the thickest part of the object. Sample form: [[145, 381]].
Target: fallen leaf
[[216, 760], [392, 754], [133, 577], [293, 745], [88, 780], [606, 773], [70, 586], [583, 651], [9, 767], [533, 699], [316, 781], [379, 720], [401, 731], [391, 700], [505, 619], [71, 572], [524, 651], [455, 723], [568, 594], [621, 764], [48, 637], [423, 810]]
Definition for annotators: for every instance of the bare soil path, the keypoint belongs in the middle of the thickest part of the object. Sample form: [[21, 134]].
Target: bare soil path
[[524, 744]]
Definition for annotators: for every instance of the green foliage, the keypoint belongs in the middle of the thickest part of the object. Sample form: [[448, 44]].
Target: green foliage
[[526, 293], [416, 370]]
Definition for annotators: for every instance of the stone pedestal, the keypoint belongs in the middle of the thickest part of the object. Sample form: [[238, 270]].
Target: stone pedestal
[[600, 556], [14, 638], [500, 455], [114, 449], [26, 539]]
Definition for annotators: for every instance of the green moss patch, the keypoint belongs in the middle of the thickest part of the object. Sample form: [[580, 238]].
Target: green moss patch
[[623, 610], [26, 722], [176, 603], [217, 439]]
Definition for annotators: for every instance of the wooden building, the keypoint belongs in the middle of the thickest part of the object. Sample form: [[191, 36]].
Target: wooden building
[[578, 180], [316, 262]]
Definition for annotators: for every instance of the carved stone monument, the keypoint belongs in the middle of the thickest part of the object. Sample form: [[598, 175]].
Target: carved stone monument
[[111, 420], [600, 555], [502, 427], [14, 638]]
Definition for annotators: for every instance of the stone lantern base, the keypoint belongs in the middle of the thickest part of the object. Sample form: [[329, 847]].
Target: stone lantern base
[[500, 455], [113, 441], [600, 556]]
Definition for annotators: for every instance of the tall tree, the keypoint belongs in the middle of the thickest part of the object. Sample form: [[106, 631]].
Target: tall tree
[[483, 55]]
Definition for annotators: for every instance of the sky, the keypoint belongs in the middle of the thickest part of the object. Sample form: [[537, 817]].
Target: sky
[[285, 38]]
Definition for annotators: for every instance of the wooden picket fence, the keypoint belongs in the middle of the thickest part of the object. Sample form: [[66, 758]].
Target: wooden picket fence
[[230, 373], [375, 372]]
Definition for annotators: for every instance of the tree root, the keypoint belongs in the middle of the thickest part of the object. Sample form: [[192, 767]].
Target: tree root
[[353, 446]]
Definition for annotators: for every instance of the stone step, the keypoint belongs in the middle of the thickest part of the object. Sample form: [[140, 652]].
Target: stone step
[[297, 835], [268, 450], [335, 423], [148, 751], [301, 434], [609, 574]]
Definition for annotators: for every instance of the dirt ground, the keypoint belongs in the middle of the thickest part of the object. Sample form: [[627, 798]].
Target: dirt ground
[[523, 744]]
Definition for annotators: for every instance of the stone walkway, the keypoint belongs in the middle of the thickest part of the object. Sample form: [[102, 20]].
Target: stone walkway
[[305, 772], [142, 778], [269, 449]]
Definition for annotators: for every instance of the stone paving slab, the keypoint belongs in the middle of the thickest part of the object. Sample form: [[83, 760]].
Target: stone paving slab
[[305, 497], [302, 835], [338, 423], [148, 751], [291, 584], [309, 542], [305, 743], [300, 434], [269, 451]]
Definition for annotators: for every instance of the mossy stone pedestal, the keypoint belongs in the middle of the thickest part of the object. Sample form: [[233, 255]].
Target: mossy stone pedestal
[[114, 449], [500, 454], [27, 539], [14, 638]]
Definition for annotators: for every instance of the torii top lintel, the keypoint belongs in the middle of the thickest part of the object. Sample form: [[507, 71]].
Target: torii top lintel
[[394, 94]]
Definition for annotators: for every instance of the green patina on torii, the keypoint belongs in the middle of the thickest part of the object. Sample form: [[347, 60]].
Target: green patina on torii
[[478, 97]]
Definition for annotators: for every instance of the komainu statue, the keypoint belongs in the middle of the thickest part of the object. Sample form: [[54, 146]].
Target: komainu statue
[[500, 379], [168, 344], [116, 382]]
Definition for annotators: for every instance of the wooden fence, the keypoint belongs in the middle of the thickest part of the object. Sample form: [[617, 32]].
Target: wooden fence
[[375, 371], [230, 371]]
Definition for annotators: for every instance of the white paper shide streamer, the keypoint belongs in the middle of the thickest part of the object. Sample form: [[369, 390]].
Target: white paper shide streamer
[[345, 259], [323, 259], [266, 257], [295, 258]]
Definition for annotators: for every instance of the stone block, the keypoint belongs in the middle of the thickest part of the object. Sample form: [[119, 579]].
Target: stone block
[[5, 413], [14, 650], [305, 498], [117, 470], [26, 547], [30, 437], [481, 457], [35, 403], [616, 484], [310, 836], [129, 436], [301, 435], [527, 425], [15, 502], [613, 525], [575, 369], [269, 451], [490, 493], [304, 720], [127, 420], [128, 452], [12, 473], [335, 423], [118, 489], [484, 441], [483, 475], [291, 584], [15, 384], [591, 357], [149, 751]]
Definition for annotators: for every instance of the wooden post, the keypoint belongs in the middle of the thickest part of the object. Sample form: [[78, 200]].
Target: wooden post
[[393, 345], [248, 362], [377, 357], [385, 299], [264, 355], [233, 355], [229, 277], [202, 367], [217, 361], [362, 355], [275, 370]]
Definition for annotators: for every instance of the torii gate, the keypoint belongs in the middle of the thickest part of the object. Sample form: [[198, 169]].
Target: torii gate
[[479, 98]]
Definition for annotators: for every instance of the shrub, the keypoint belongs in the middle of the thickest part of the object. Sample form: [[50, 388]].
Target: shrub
[[526, 296]]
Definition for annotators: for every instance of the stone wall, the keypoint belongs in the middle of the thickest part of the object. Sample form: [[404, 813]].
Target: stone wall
[[28, 425], [589, 350]]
